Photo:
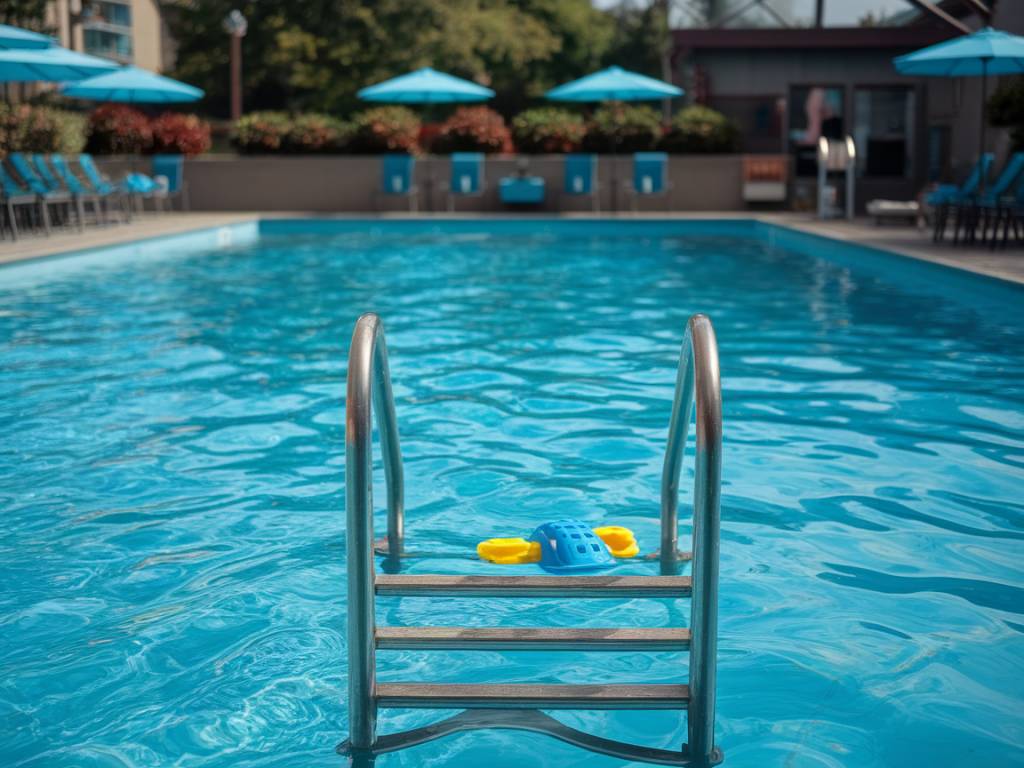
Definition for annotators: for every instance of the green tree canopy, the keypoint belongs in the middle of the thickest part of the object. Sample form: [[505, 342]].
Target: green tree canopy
[[316, 54]]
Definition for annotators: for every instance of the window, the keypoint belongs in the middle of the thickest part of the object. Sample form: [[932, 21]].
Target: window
[[102, 42], [112, 13], [883, 131], [759, 119], [814, 111]]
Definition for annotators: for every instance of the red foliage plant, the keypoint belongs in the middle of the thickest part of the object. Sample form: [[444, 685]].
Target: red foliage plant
[[116, 129], [178, 134], [473, 129]]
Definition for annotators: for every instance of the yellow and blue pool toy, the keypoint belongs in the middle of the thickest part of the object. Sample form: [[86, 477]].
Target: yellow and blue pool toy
[[564, 546]]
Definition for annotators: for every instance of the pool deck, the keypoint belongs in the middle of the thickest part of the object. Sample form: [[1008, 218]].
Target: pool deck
[[907, 241]]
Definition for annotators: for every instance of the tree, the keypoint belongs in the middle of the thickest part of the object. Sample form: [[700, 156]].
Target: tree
[[316, 54]]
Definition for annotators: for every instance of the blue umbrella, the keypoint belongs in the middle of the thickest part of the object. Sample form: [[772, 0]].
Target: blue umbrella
[[614, 84], [986, 52], [133, 85], [16, 37], [49, 65], [425, 86]]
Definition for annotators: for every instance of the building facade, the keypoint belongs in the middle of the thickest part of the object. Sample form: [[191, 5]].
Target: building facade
[[127, 31], [786, 87]]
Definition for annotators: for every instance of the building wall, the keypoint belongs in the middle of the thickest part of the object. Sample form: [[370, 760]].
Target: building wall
[[147, 30]]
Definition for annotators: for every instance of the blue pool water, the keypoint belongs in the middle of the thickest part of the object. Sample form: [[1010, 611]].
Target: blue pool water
[[171, 455]]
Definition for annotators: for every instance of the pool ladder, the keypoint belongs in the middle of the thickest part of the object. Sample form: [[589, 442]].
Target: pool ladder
[[519, 706]]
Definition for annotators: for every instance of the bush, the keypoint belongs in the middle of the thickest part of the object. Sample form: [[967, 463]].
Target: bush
[[1005, 109], [115, 129], [314, 133], [618, 128], [548, 129], [175, 133], [260, 132], [385, 129], [700, 129], [473, 129], [26, 128]]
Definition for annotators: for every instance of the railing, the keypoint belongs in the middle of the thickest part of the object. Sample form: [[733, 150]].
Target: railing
[[697, 383], [369, 389]]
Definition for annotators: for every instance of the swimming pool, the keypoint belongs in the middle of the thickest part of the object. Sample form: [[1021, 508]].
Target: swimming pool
[[171, 448]]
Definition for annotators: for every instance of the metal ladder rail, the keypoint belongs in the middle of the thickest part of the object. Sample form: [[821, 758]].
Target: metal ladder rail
[[368, 390], [697, 385]]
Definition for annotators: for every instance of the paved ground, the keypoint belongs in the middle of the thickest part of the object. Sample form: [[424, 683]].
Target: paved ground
[[1005, 264]]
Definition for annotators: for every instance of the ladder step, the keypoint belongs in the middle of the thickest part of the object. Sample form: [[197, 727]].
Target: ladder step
[[533, 586], [531, 638], [531, 696]]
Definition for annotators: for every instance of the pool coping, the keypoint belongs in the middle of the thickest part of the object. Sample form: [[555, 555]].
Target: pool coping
[[857, 233]]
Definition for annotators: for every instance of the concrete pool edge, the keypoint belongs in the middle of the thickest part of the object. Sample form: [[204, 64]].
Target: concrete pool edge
[[162, 228]]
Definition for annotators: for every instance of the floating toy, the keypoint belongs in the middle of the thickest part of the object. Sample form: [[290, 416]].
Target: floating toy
[[563, 546]]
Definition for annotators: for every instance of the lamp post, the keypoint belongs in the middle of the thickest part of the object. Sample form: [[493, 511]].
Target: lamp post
[[236, 26]]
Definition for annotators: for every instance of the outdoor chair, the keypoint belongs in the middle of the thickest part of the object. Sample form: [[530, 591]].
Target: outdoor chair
[[981, 211], [16, 196], [581, 178], [171, 168], [58, 182], [467, 176], [397, 180], [47, 195], [946, 196], [101, 197], [650, 176]]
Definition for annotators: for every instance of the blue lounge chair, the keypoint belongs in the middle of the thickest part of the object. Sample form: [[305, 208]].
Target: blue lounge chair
[[581, 178], [47, 195], [57, 182], [947, 195], [397, 179], [650, 176], [102, 195], [981, 210], [15, 195], [467, 176], [172, 168]]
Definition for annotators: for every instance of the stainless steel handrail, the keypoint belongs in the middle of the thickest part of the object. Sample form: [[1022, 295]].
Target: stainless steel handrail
[[697, 384], [369, 390]]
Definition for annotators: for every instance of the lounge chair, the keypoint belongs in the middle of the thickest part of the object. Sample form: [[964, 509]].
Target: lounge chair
[[15, 196], [172, 168], [581, 178], [981, 210], [467, 176], [47, 195], [58, 182], [650, 176], [101, 185], [101, 197], [397, 179], [948, 195]]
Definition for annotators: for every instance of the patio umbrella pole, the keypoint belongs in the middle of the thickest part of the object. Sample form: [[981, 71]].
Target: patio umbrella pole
[[984, 91]]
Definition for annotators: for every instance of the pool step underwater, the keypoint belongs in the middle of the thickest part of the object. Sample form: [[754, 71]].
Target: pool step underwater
[[531, 696], [533, 639], [518, 706], [430, 585]]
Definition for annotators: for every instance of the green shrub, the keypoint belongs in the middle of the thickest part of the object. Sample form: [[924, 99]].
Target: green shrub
[[548, 129], [701, 129], [314, 133], [261, 132], [115, 129], [26, 128], [385, 129], [180, 134], [1005, 109], [621, 128], [473, 129]]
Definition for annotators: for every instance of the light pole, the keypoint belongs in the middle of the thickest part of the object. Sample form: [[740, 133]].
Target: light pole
[[236, 26]]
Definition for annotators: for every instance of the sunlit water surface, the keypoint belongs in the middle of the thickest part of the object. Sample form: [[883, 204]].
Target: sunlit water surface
[[171, 454]]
